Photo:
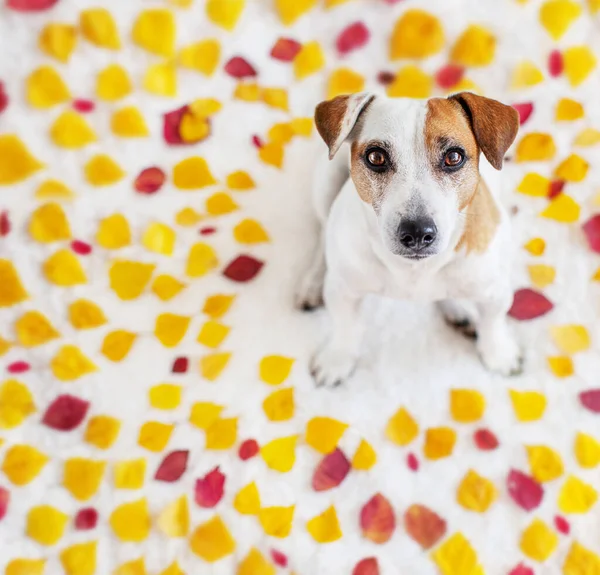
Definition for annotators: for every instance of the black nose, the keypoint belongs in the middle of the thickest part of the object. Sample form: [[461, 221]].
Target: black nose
[[417, 234]]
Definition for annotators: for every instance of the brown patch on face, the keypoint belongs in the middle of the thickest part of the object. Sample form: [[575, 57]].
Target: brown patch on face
[[483, 218], [329, 116], [371, 186]]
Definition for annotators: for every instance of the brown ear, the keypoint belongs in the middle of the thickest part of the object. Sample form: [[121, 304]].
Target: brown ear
[[494, 125], [336, 118]]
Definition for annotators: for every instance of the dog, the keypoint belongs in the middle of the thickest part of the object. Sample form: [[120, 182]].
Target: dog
[[405, 211]]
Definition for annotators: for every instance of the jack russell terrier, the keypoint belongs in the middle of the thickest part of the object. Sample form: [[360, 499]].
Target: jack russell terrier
[[406, 212]]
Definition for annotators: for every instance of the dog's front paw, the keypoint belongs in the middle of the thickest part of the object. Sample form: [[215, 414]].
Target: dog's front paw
[[331, 366], [309, 294], [502, 355]]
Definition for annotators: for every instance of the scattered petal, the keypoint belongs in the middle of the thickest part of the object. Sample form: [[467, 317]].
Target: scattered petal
[[580, 561], [180, 365], [272, 154], [172, 467], [212, 365], [535, 147], [290, 10], [446, 77], [255, 564], [331, 471], [85, 314], [476, 493], [573, 169], [541, 275], [101, 170], [587, 137], [410, 82], [210, 488], [226, 15], [439, 442], [79, 559], [377, 519], [128, 122], [280, 454], [23, 463], [117, 344], [276, 521], [16, 404], [70, 130], [248, 449], [576, 496], [475, 47], [155, 435], [219, 204], [86, 519], [99, 28], [102, 431], [412, 462], [212, 540], [570, 339], [45, 88], [324, 433], [524, 490], [154, 30], [285, 49], [130, 474], [161, 79], [568, 110], [222, 434], [243, 268], [201, 56], [525, 75], [424, 526], [538, 541], [58, 40], [159, 238], [309, 60], [82, 477], [65, 413], [239, 68], [579, 61], [325, 528], [587, 451], [344, 81], [113, 83], [128, 279], [466, 405], [364, 457], [456, 556], [417, 34], [352, 37], [192, 173], [367, 566], [166, 287], [46, 524], [562, 525], [247, 500], [131, 521], [402, 428], [555, 63], [81, 248], [30, 6], [557, 16], [174, 519], [529, 304], [525, 110], [201, 260], [279, 406], [528, 405]]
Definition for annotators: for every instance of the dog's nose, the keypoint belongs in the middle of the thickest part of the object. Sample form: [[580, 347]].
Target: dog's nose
[[417, 234]]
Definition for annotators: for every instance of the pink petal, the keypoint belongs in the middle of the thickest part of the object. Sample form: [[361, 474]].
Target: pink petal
[[591, 229], [248, 449], [86, 518], [412, 462], [331, 471], [30, 5], [18, 367], [4, 224], [209, 489], [279, 558], [65, 413], [529, 304], [4, 501], [525, 491], [257, 142], [590, 399], [285, 49], [83, 106], [485, 440], [368, 566], [522, 569], [81, 248], [150, 180], [525, 109], [3, 98], [377, 519], [555, 63], [171, 123], [238, 68], [173, 466], [207, 231], [243, 268], [180, 365], [352, 37], [449, 75], [386, 77], [556, 188], [562, 525]]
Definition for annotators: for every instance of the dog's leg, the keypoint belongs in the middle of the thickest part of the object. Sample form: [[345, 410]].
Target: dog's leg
[[335, 361], [309, 294], [497, 347], [461, 315]]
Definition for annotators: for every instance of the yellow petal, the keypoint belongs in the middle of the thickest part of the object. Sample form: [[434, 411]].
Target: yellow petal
[[129, 123], [290, 10], [102, 431], [11, 288], [536, 246], [568, 110], [16, 403], [188, 217], [475, 47], [161, 79], [333, 3], [364, 457], [576, 496], [221, 434], [545, 463], [72, 131], [216, 306], [130, 474], [5, 345], [45, 88], [82, 477], [538, 541], [255, 564], [280, 454], [58, 40], [281, 133], [25, 567], [570, 338], [247, 92], [587, 137], [240, 180], [279, 406], [174, 519], [594, 6], [324, 433], [171, 328], [201, 259], [165, 396], [212, 540], [204, 414], [128, 279], [536, 147], [154, 435], [276, 98], [561, 366], [166, 287], [79, 559], [46, 524], [85, 314], [135, 567], [277, 521], [193, 128], [579, 61], [49, 224], [587, 450], [250, 232], [534, 185], [201, 56], [192, 173], [344, 81], [53, 189], [117, 344], [526, 74], [33, 328], [23, 463], [302, 126], [476, 493], [16, 163], [247, 500], [541, 275], [70, 364], [401, 428], [212, 365], [275, 369], [272, 154], [563, 209], [154, 30], [113, 232], [417, 34], [224, 14], [410, 82], [466, 405], [325, 528], [439, 442], [455, 556], [220, 203], [205, 106], [212, 334], [557, 15], [113, 83], [581, 561], [174, 568], [159, 238], [99, 28], [310, 59], [573, 169], [528, 405], [101, 170], [131, 521]]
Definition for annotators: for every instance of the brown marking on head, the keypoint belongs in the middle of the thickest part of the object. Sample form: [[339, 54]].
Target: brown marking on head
[[371, 186]]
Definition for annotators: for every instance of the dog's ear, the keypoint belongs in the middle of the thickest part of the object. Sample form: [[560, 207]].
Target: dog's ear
[[336, 118], [494, 125]]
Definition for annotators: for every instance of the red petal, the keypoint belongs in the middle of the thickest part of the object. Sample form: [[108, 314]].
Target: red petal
[[83, 106], [65, 413], [529, 304], [331, 471], [150, 180], [248, 449], [591, 229], [591, 400], [525, 491], [207, 231], [385, 77], [352, 37], [209, 489], [4, 224], [81, 248], [555, 63], [180, 365], [3, 98], [449, 75], [423, 525], [171, 123], [237, 67], [485, 440], [257, 142], [279, 558], [243, 268], [377, 519], [521, 569], [368, 566], [525, 109], [18, 367], [30, 5], [562, 525], [86, 519], [556, 187], [285, 49], [4, 500], [173, 466], [412, 462]]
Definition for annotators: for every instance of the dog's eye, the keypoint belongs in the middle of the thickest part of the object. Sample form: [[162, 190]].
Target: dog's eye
[[453, 159], [376, 158]]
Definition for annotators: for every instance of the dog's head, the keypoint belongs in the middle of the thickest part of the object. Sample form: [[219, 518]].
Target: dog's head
[[416, 162]]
